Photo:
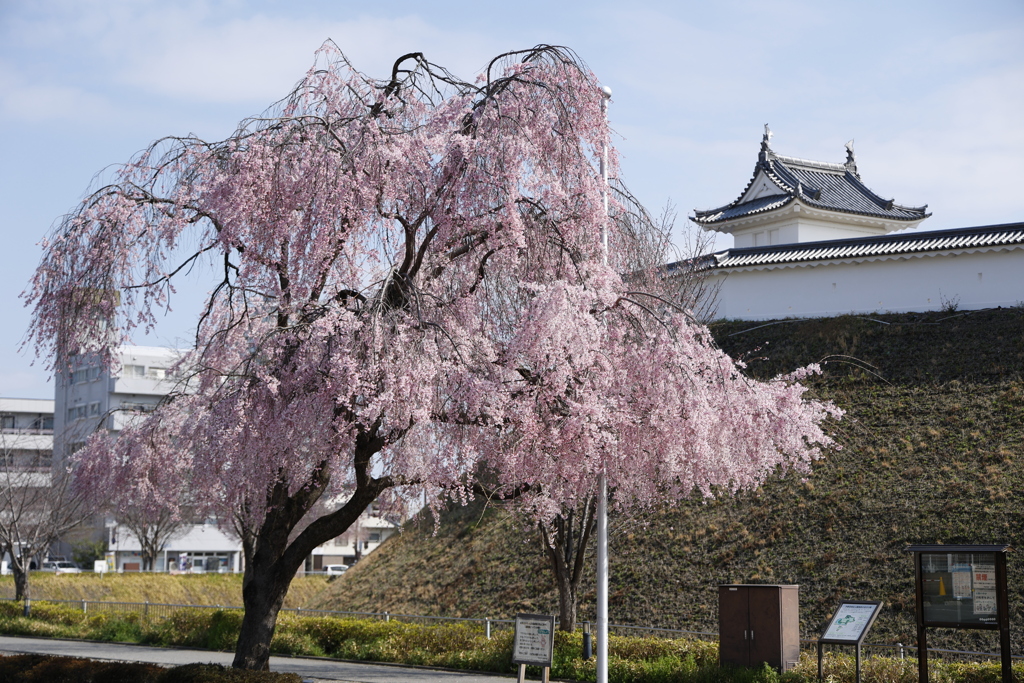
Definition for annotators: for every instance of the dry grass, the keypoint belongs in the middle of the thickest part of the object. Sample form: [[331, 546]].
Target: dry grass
[[195, 589]]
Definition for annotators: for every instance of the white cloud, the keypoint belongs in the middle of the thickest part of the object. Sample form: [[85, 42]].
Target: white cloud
[[205, 52], [261, 58], [25, 101]]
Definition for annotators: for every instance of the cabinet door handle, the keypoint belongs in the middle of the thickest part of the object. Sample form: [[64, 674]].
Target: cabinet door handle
[[744, 634], [751, 634]]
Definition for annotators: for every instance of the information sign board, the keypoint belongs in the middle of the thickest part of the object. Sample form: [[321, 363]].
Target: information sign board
[[534, 640], [961, 586], [959, 589], [851, 622]]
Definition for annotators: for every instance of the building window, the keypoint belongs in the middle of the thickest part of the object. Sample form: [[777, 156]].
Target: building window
[[374, 537], [43, 423], [156, 373], [7, 421], [138, 407], [134, 371]]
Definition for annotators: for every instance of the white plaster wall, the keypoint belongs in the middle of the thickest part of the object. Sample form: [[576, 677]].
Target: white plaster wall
[[928, 283], [799, 227]]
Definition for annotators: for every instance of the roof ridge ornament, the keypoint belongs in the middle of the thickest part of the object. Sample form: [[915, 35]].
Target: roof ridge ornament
[[851, 160], [765, 144]]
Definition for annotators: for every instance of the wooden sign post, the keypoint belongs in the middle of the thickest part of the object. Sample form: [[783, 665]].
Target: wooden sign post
[[534, 643]]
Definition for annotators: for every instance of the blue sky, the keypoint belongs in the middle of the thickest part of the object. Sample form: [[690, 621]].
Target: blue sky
[[931, 91]]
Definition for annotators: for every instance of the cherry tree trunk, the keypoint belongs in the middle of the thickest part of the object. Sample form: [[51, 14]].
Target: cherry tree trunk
[[263, 595], [568, 603]]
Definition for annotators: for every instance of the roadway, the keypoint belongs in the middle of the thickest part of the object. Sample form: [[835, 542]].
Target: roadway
[[310, 669]]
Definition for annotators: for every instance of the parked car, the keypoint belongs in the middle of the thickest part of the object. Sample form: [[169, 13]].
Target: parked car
[[61, 567], [336, 569]]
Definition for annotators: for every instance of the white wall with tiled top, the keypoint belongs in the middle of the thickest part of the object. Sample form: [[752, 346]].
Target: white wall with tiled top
[[913, 283]]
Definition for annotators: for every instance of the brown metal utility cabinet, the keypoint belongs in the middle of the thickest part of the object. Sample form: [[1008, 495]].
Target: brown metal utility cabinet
[[758, 624]]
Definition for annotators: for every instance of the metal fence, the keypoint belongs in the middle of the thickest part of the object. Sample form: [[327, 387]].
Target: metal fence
[[155, 610]]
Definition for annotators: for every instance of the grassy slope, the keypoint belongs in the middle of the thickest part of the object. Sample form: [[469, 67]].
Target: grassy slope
[[933, 443], [204, 589]]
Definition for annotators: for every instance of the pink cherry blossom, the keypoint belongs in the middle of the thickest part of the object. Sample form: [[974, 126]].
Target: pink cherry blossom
[[406, 287]]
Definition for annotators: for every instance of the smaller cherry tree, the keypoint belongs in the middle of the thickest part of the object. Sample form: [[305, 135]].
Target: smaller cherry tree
[[147, 488], [38, 505]]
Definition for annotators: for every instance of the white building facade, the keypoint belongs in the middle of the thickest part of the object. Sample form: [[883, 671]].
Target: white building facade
[[90, 398], [26, 448], [196, 549], [26, 431]]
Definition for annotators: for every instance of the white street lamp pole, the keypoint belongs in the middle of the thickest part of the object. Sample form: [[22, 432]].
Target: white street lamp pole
[[602, 484]]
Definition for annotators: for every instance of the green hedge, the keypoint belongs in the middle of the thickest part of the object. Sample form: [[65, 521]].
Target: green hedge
[[464, 646]]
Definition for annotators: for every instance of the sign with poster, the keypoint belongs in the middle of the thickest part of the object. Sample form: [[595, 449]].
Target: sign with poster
[[534, 640], [851, 622], [984, 589], [961, 586], [958, 588]]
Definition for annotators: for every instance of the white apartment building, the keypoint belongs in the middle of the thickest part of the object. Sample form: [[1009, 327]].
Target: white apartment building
[[26, 445], [90, 398], [26, 431]]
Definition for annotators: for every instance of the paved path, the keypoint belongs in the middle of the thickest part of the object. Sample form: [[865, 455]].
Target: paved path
[[318, 669]]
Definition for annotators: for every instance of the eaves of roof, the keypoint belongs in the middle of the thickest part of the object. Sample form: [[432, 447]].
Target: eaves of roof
[[983, 237]]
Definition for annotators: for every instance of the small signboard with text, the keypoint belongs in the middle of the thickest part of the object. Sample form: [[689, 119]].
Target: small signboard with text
[[534, 640], [848, 626], [851, 622]]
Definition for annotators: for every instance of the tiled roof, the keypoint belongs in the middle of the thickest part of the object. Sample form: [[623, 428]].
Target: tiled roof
[[989, 236], [746, 208], [834, 187]]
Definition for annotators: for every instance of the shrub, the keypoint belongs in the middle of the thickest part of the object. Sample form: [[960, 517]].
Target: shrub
[[289, 642], [57, 614], [47, 668], [223, 630], [121, 628], [184, 628]]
